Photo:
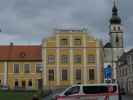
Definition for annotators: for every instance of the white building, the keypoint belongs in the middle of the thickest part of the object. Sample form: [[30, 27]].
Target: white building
[[125, 72]]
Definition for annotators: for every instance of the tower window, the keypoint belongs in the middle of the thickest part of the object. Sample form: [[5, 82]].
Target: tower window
[[114, 28], [117, 39], [119, 28]]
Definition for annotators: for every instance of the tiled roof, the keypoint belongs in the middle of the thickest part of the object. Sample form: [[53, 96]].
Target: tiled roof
[[19, 52]]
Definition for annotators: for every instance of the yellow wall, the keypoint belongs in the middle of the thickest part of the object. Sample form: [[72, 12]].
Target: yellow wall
[[77, 50], [21, 76]]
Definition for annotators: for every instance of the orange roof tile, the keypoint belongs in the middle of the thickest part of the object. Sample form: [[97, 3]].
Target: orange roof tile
[[32, 52]]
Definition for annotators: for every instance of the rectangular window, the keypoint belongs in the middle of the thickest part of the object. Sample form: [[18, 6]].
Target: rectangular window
[[91, 59], [64, 42], [78, 74], [64, 75], [16, 84], [16, 68], [77, 42], [91, 74], [30, 83], [27, 68], [51, 59], [77, 59], [64, 59], [39, 68], [51, 75]]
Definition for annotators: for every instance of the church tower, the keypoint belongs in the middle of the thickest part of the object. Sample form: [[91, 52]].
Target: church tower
[[116, 33], [114, 48]]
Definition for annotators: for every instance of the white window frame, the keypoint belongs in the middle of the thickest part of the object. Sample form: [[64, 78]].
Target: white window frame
[[29, 67], [36, 67], [14, 66]]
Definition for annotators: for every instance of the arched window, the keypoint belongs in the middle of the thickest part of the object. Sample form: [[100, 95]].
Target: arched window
[[119, 28], [114, 28]]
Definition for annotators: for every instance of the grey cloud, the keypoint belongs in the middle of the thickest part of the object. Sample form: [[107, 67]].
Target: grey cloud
[[22, 17]]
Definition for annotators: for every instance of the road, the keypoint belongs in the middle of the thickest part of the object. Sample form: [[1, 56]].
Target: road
[[125, 97]]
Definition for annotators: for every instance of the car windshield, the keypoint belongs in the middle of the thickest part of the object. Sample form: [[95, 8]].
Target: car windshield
[[73, 90]]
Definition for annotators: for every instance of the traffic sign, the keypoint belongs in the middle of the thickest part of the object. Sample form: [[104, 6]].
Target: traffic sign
[[108, 72]]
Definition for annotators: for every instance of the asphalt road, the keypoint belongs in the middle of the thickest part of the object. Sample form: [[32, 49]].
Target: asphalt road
[[126, 97]]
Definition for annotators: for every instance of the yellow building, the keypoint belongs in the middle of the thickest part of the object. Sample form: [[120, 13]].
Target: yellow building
[[71, 56], [20, 67]]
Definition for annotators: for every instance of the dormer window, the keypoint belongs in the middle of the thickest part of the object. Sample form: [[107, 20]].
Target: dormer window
[[64, 42], [77, 42], [22, 54]]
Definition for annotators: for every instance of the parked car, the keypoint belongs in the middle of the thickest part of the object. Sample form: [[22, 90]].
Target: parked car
[[90, 92]]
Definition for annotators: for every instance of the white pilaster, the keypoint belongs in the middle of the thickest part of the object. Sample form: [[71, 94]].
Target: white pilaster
[[57, 59], [44, 58], [71, 61], [84, 60], [98, 64], [5, 74]]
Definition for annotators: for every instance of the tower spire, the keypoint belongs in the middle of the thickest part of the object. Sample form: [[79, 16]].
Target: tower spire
[[114, 9], [115, 18]]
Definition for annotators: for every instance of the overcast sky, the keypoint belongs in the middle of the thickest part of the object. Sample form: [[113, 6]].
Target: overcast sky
[[28, 21]]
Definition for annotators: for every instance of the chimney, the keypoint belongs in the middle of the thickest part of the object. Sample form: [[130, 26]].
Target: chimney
[[11, 43]]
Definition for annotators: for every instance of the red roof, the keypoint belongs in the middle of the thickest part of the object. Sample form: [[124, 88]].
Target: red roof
[[12, 52]]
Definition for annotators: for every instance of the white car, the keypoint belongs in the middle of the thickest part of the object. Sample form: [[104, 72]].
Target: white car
[[90, 92]]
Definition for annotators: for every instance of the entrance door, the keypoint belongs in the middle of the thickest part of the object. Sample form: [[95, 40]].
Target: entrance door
[[23, 84], [39, 83]]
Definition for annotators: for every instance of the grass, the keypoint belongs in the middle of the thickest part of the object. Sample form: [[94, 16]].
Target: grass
[[11, 95]]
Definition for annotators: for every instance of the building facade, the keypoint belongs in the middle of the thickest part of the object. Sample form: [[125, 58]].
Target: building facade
[[114, 48], [125, 72], [71, 56], [20, 67]]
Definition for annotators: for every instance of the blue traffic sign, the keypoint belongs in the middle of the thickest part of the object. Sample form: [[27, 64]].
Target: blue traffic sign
[[108, 72]]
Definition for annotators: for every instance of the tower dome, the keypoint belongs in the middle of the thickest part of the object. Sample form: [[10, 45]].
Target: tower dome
[[115, 19]]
